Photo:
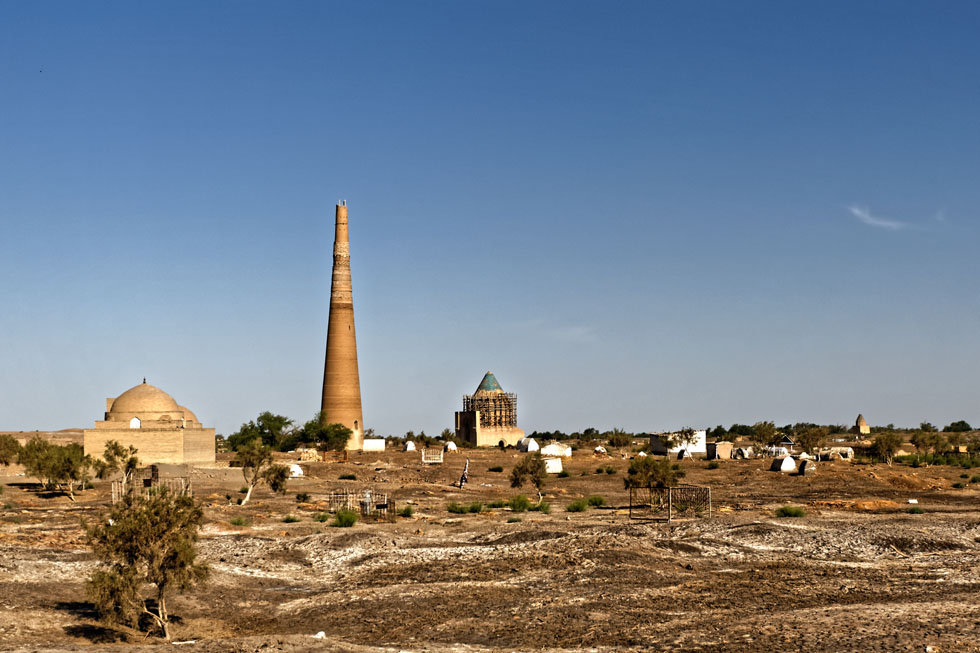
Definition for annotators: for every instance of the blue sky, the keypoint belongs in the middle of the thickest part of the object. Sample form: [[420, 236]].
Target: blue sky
[[645, 215]]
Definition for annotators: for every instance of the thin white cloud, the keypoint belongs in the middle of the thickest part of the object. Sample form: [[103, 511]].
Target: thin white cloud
[[575, 333], [864, 215], [940, 216]]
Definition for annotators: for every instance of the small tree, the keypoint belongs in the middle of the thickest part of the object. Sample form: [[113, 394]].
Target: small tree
[[275, 431], [117, 458], [257, 466], [647, 471], [885, 445], [327, 437], [962, 426], [147, 540], [764, 435], [56, 467], [927, 427], [619, 438], [530, 470], [811, 437], [9, 449]]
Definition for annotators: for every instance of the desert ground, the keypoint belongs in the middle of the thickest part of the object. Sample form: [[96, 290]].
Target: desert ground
[[857, 572]]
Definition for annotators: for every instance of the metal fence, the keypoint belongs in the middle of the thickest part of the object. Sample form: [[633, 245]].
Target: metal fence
[[432, 456], [370, 504], [667, 503], [140, 487]]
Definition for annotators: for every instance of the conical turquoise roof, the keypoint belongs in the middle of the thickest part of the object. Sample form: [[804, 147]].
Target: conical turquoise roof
[[489, 384]]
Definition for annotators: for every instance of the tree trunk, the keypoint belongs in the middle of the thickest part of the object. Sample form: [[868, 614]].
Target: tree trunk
[[248, 495]]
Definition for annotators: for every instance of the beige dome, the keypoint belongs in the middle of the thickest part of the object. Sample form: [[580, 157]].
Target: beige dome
[[188, 415], [861, 421], [144, 398]]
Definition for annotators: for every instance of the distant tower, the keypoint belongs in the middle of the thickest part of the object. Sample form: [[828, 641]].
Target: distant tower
[[861, 426], [341, 402], [489, 415]]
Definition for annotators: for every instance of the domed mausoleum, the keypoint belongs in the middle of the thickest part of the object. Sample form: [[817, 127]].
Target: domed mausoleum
[[489, 416], [162, 430]]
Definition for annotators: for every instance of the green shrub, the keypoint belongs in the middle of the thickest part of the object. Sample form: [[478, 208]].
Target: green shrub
[[498, 468], [959, 485], [520, 503], [975, 479], [790, 511], [228, 496], [610, 470], [563, 474], [714, 464], [302, 497], [348, 477], [541, 506], [514, 520], [600, 470], [407, 511], [345, 519], [915, 510], [456, 508], [322, 517], [88, 486], [476, 506], [964, 476], [596, 500], [579, 505], [240, 521], [290, 519], [243, 489], [499, 503]]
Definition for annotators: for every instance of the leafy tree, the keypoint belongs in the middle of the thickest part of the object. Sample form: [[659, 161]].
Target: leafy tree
[[118, 458], [928, 441], [146, 540], [647, 471], [56, 467], [326, 437], [927, 427], [446, 435], [810, 437], [719, 433], [885, 445], [9, 449], [255, 459], [962, 426], [741, 430], [530, 470], [275, 431], [764, 435], [619, 438], [686, 436]]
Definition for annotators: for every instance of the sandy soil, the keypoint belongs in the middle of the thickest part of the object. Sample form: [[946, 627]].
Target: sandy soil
[[856, 573]]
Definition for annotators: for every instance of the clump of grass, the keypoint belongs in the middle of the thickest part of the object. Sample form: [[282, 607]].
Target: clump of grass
[[959, 485], [407, 511], [243, 489], [514, 520], [345, 519], [975, 479], [714, 464], [476, 506], [290, 519], [322, 517], [915, 510], [455, 508], [88, 486], [584, 473], [302, 497], [563, 474], [542, 507], [964, 476], [348, 477], [499, 503], [600, 470], [596, 500], [497, 468], [579, 505], [790, 511], [520, 503], [610, 469], [228, 496], [240, 521]]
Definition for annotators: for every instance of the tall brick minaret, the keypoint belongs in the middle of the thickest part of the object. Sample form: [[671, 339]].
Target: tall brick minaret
[[341, 402]]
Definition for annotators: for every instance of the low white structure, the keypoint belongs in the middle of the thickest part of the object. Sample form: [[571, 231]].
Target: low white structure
[[373, 444], [553, 465], [599, 449], [669, 443], [785, 465], [557, 449], [295, 470], [450, 446], [409, 446], [528, 444]]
